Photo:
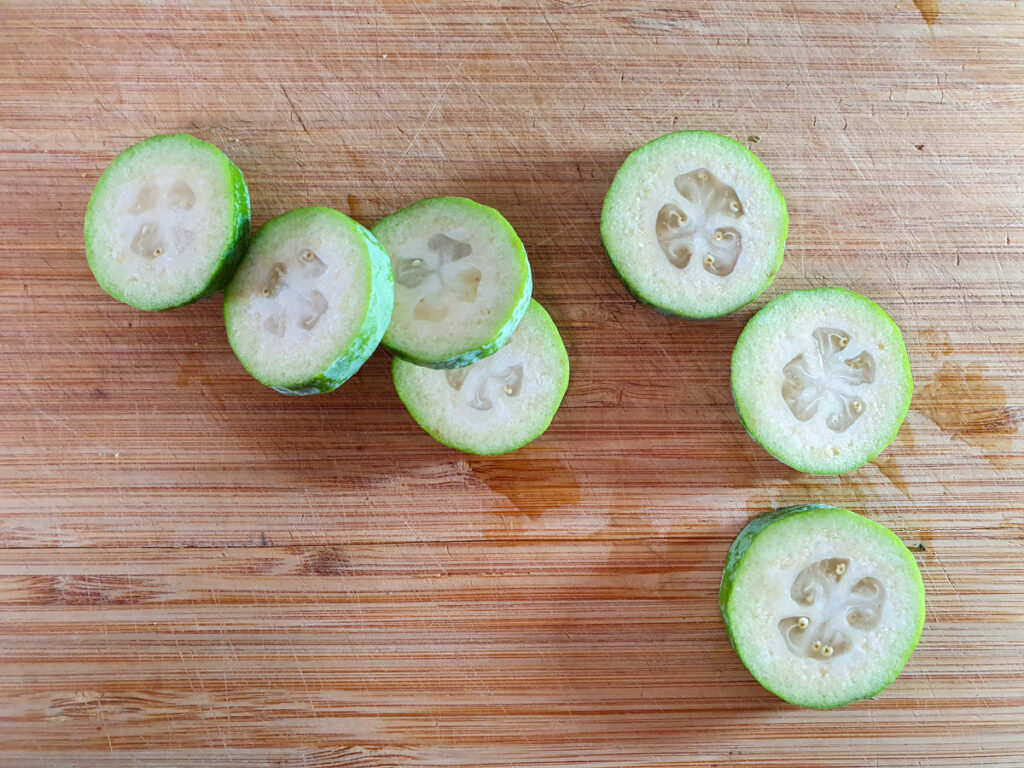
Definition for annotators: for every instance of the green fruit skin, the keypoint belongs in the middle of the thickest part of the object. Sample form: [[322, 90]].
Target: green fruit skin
[[905, 364], [412, 404], [734, 561], [485, 350], [378, 313], [229, 258], [636, 291]]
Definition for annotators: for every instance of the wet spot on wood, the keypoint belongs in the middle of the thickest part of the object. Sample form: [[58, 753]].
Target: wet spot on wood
[[929, 10], [935, 342], [531, 488], [354, 208], [326, 561], [354, 157], [193, 371], [969, 407]]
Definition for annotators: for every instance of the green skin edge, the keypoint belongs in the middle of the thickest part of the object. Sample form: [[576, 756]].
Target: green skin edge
[[228, 260], [634, 290], [470, 356], [734, 565], [562, 383], [378, 313], [882, 444]]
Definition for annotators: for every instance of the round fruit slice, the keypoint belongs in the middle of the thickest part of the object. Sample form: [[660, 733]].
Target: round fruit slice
[[167, 222], [462, 281], [498, 404], [310, 301], [823, 606], [694, 224], [821, 379]]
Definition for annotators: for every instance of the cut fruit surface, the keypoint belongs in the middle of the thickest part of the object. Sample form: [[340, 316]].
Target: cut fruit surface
[[822, 605], [462, 281], [694, 224], [821, 379], [167, 222], [495, 405], [310, 302]]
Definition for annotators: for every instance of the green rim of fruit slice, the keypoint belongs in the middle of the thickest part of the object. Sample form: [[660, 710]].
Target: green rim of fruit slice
[[823, 606], [462, 281], [167, 222], [497, 404], [821, 379], [694, 224], [310, 301]]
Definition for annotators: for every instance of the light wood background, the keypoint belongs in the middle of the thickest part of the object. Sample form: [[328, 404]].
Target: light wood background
[[195, 571]]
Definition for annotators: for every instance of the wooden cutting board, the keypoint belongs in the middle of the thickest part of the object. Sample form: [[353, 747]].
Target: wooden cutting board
[[196, 571]]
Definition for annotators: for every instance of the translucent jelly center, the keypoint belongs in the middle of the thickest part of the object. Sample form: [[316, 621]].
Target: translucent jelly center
[[828, 380], [699, 224], [483, 383], [162, 219], [833, 609], [441, 278], [290, 295]]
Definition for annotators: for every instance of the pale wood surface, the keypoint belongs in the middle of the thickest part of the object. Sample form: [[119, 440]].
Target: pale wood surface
[[198, 572]]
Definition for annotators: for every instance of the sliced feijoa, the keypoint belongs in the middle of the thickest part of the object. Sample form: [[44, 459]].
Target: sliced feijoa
[[694, 224], [310, 301], [462, 281], [495, 405], [823, 606], [167, 222], [821, 379]]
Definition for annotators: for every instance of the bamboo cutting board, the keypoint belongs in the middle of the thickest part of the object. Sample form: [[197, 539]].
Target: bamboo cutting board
[[195, 571]]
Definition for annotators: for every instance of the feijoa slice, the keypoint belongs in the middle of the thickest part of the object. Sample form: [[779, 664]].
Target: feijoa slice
[[499, 403], [462, 281], [823, 606], [694, 224], [310, 301], [167, 222], [821, 379]]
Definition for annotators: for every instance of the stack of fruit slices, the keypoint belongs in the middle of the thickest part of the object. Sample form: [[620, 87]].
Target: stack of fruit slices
[[478, 363], [444, 284]]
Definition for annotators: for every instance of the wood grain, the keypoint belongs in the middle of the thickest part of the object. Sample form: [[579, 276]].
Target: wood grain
[[195, 571]]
